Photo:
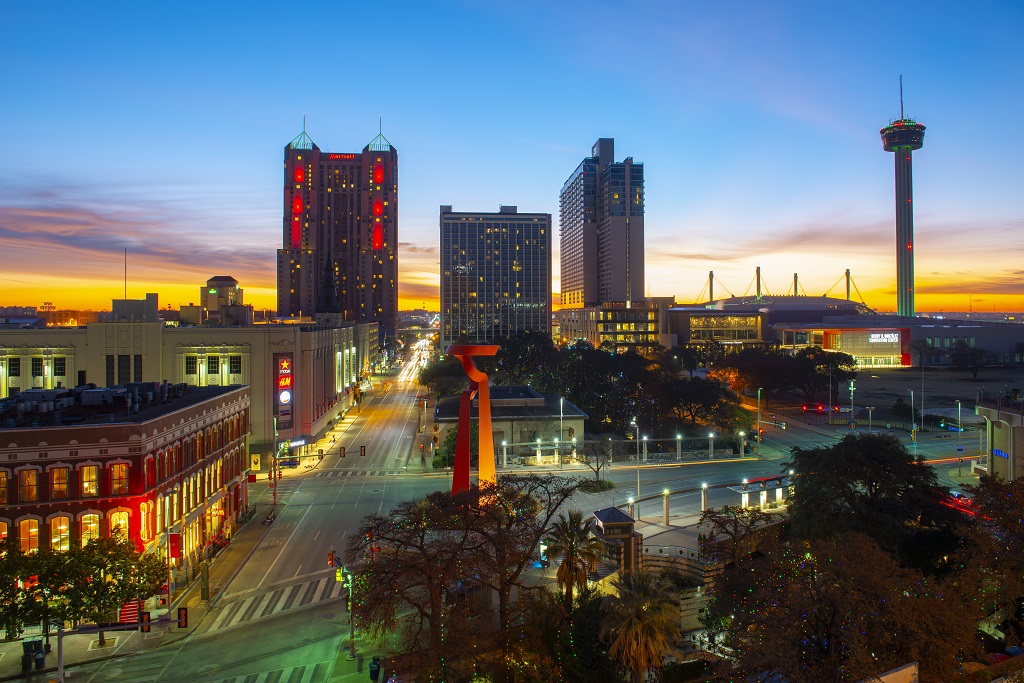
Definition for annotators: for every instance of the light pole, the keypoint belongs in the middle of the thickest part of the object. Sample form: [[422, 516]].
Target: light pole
[[759, 421], [711, 445], [679, 447], [913, 418], [561, 401], [637, 459], [870, 408], [959, 448], [703, 497], [743, 443], [645, 447], [852, 389]]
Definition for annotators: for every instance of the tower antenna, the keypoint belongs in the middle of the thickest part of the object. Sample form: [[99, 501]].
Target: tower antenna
[[304, 113], [380, 124], [126, 273], [901, 96]]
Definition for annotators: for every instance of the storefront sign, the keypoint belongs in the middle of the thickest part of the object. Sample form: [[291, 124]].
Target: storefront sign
[[284, 387], [884, 337]]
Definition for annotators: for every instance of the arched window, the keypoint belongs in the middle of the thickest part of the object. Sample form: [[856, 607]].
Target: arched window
[[3, 531], [28, 535], [119, 523], [60, 533], [90, 528]]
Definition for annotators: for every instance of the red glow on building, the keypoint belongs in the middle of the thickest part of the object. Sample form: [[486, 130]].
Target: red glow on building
[[300, 174], [296, 232], [341, 156], [378, 236], [378, 207], [296, 204], [909, 247], [378, 174], [284, 382]]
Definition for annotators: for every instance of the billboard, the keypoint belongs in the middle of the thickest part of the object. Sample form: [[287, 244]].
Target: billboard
[[284, 389]]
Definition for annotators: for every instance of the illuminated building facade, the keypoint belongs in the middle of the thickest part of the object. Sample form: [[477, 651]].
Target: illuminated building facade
[[495, 274], [340, 218], [220, 294], [601, 215], [902, 137], [152, 460], [327, 363]]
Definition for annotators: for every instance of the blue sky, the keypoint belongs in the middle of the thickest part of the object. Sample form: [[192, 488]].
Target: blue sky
[[160, 128]]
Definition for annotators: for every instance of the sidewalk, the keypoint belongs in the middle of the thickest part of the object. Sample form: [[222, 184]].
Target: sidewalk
[[82, 648]]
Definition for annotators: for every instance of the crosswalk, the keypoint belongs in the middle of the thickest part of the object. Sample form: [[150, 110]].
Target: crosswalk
[[355, 473], [277, 601], [309, 673]]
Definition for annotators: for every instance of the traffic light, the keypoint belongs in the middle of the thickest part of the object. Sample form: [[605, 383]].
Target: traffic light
[[343, 451], [760, 434], [339, 575], [144, 622], [183, 617], [330, 559], [362, 450]]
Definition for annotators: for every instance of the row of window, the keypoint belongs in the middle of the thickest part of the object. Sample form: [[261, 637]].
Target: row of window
[[59, 530], [38, 366], [29, 480], [213, 364]]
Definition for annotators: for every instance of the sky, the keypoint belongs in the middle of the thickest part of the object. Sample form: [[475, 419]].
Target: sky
[[159, 128]]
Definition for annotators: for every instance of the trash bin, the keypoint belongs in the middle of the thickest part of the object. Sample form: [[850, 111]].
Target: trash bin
[[26, 663], [40, 660], [374, 668]]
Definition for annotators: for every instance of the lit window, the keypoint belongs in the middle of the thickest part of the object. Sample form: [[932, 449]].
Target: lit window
[[88, 476], [119, 479], [60, 533], [119, 524], [90, 528], [28, 535], [59, 482], [28, 486]]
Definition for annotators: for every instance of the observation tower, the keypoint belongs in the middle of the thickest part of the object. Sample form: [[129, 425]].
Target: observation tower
[[902, 137]]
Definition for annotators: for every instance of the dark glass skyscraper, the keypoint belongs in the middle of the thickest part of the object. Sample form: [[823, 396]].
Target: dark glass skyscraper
[[601, 213], [902, 137], [340, 230]]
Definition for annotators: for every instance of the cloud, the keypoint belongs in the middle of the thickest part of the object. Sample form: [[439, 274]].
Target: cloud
[[409, 247]]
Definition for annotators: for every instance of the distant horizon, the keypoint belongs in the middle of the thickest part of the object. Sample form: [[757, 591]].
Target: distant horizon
[[758, 127]]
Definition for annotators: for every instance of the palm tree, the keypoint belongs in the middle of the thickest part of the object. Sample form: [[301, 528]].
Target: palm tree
[[641, 623], [573, 539]]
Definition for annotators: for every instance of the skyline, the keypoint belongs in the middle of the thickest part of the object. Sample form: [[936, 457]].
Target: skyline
[[757, 126]]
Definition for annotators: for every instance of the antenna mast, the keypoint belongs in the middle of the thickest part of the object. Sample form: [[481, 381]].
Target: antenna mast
[[901, 96], [126, 273]]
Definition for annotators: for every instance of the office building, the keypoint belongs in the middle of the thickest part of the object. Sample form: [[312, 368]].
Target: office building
[[340, 227], [495, 274], [218, 296], [601, 214]]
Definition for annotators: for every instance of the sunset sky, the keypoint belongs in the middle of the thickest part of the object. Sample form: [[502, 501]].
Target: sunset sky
[[160, 127]]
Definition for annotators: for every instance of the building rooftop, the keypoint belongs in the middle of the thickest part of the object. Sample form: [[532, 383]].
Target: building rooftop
[[512, 402]]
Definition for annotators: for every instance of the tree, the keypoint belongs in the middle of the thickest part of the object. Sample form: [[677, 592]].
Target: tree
[[736, 524], [444, 377], [839, 609], [641, 623], [595, 453], [407, 563], [445, 456], [692, 399], [873, 485], [573, 539], [969, 357], [50, 569], [901, 410], [513, 517], [995, 541], [816, 368], [13, 606], [524, 358], [768, 367], [118, 573]]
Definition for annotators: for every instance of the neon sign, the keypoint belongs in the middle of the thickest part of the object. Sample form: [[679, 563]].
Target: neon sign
[[341, 156], [884, 338]]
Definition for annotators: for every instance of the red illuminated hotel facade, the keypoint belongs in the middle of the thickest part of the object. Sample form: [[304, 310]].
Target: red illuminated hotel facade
[[340, 227]]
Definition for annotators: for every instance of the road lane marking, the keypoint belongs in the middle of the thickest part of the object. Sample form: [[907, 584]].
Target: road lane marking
[[270, 565]]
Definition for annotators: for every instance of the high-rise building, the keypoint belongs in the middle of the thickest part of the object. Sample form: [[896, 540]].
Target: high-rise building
[[340, 231], [902, 137], [601, 213], [495, 274]]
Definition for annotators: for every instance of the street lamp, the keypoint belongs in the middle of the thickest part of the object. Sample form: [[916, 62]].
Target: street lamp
[[759, 422], [634, 424], [711, 445], [645, 447], [561, 401], [913, 418], [959, 448], [679, 447], [852, 389], [870, 408]]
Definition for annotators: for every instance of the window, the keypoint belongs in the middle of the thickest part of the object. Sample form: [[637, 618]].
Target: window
[[59, 482], [119, 524], [235, 365], [60, 533], [124, 369], [28, 486], [37, 367], [110, 371], [14, 367], [90, 528], [137, 367], [89, 476], [190, 365], [119, 479], [212, 365], [3, 531], [3, 487], [28, 535], [59, 366]]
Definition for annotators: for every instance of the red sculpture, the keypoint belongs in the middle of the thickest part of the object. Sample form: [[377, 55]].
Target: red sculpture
[[485, 442]]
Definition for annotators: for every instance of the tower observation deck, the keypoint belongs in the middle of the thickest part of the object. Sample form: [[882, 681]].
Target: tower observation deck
[[902, 137]]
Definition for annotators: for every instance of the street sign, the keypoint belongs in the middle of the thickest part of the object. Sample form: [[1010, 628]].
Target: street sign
[[959, 449]]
